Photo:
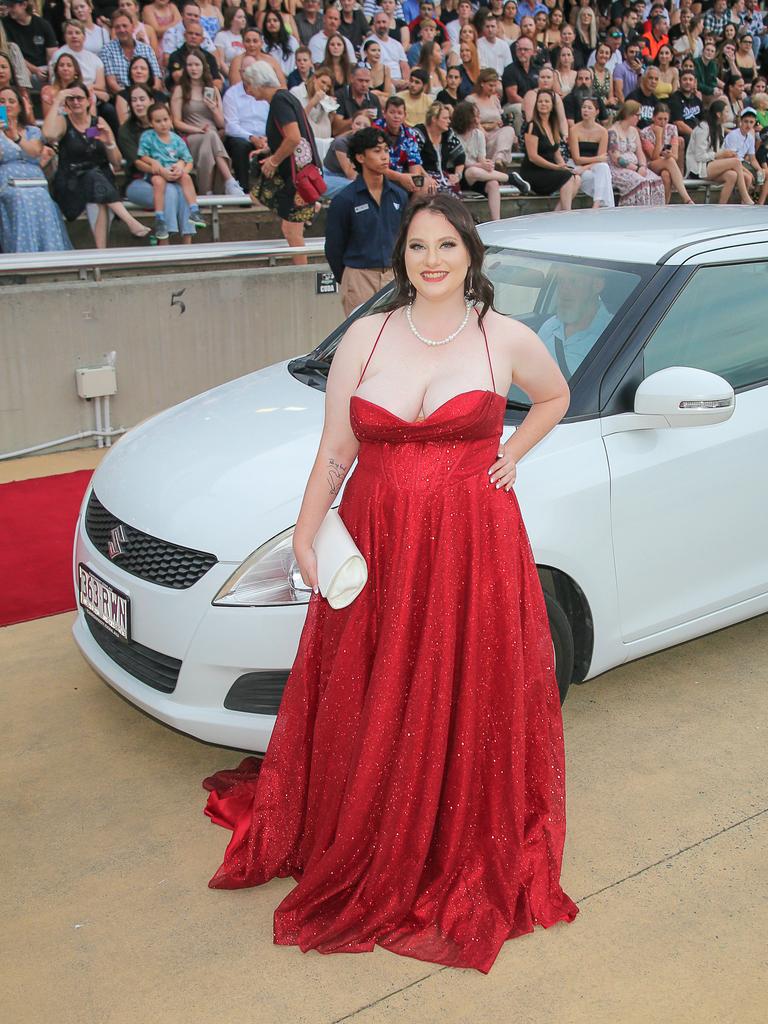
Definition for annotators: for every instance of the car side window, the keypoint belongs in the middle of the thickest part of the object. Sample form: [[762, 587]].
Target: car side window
[[717, 323]]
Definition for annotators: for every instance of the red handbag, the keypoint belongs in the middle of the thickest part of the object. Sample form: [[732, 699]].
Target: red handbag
[[308, 180], [309, 183]]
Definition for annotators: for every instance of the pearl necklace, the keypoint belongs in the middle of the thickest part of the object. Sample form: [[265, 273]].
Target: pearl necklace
[[443, 341]]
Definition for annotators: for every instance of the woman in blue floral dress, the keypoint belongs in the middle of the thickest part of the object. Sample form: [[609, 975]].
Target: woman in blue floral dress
[[30, 221]]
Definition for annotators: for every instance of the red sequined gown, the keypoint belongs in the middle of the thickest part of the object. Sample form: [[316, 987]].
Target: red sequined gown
[[414, 784]]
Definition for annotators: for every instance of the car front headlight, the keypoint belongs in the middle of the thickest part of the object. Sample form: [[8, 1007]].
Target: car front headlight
[[269, 576]]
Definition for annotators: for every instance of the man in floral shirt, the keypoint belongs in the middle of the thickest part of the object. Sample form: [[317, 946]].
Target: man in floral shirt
[[404, 151]]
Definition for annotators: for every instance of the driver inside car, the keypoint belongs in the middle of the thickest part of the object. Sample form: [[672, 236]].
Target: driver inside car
[[580, 317]]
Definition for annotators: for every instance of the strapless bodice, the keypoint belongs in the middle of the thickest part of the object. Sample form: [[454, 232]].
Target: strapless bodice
[[457, 440]]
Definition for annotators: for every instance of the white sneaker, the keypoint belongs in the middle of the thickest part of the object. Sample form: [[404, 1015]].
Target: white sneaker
[[233, 188]]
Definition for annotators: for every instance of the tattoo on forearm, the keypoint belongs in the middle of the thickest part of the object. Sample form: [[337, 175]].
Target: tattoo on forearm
[[336, 474]]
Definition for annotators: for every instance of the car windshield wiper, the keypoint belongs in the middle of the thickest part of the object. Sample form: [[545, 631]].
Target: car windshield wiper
[[307, 363]]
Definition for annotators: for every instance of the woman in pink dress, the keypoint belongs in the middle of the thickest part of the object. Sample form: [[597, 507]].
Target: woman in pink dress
[[635, 182], [414, 784], [663, 148]]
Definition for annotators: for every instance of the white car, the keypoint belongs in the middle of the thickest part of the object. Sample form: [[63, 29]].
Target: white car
[[645, 506]]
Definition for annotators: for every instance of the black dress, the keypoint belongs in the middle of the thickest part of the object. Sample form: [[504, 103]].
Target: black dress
[[84, 174], [445, 97], [588, 149], [543, 180], [278, 193]]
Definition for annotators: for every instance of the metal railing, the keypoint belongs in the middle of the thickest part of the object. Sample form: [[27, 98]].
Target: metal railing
[[213, 203], [85, 262]]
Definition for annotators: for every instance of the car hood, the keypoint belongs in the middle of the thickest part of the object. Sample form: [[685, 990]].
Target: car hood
[[221, 472]]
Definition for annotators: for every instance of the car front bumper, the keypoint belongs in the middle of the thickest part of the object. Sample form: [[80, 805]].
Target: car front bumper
[[215, 645]]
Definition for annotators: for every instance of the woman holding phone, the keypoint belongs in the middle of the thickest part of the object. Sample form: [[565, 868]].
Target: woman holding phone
[[661, 145], [198, 115], [88, 160]]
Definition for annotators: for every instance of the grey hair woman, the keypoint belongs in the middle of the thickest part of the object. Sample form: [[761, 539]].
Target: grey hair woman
[[291, 147]]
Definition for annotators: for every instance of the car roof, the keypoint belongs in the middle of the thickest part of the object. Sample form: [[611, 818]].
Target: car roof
[[628, 235]]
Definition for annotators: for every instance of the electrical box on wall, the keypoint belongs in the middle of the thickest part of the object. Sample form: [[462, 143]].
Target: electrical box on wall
[[95, 381]]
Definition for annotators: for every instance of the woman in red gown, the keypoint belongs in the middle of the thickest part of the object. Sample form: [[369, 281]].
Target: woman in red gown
[[414, 784]]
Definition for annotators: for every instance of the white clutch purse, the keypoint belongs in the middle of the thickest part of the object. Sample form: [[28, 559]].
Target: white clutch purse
[[341, 569]]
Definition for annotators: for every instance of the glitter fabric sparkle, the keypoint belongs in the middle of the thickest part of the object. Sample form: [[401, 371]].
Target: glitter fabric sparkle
[[414, 785]]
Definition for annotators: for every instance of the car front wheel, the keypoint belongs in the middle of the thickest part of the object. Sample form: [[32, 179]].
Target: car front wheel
[[562, 643]]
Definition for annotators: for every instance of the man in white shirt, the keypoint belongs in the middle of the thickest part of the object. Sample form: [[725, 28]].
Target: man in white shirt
[[580, 317], [613, 41], [319, 41], [493, 52], [245, 125], [465, 13], [173, 38], [392, 52], [741, 141]]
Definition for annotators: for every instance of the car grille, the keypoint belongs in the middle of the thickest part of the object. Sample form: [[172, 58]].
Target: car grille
[[159, 671], [258, 693], [149, 558]]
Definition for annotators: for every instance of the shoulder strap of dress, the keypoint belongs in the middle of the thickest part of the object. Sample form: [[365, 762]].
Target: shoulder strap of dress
[[386, 318], [487, 350]]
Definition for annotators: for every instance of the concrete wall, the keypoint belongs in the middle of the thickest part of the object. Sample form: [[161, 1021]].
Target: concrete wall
[[233, 321]]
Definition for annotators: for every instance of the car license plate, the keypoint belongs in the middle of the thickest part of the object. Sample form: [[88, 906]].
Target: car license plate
[[104, 602]]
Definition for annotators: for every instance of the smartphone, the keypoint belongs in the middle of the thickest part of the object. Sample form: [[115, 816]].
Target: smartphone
[[3, 116], [665, 149], [92, 132], [209, 93]]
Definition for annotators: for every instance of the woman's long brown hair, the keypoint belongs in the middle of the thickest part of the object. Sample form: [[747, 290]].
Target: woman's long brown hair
[[554, 127], [476, 286], [186, 82]]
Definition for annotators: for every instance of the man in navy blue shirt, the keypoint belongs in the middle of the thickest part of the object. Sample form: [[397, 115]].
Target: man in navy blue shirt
[[363, 222]]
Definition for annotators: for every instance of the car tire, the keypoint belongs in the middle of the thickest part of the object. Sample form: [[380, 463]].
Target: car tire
[[562, 644]]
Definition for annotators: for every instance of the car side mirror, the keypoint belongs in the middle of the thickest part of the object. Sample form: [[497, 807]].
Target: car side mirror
[[685, 397]]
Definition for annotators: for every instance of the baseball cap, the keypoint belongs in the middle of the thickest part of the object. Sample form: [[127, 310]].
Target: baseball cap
[[749, 112]]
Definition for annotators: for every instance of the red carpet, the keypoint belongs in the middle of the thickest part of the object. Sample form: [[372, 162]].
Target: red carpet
[[37, 528]]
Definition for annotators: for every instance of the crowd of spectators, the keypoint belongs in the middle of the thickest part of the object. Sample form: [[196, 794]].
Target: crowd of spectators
[[159, 103]]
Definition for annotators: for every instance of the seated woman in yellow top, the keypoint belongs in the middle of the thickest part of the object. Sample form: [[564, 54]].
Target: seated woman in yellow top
[[669, 76]]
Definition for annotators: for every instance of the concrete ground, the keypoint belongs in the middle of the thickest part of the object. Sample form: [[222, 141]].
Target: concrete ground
[[107, 918]]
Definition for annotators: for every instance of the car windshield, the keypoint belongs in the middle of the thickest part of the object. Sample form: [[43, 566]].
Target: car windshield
[[570, 303]]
